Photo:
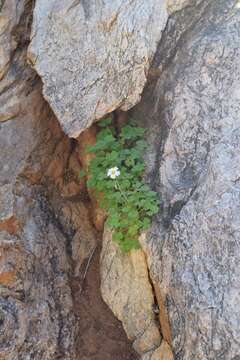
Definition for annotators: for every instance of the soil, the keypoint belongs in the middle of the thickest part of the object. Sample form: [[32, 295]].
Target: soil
[[101, 335]]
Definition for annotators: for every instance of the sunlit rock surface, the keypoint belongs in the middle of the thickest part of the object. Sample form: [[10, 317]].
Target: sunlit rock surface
[[93, 56]]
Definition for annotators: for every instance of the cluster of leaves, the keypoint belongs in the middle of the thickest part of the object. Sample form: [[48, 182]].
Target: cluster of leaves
[[129, 202]]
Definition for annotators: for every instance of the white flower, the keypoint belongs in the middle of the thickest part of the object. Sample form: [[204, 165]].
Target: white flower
[[113, 172]]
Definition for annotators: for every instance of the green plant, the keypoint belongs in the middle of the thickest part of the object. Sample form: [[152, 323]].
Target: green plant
[[116, 174]]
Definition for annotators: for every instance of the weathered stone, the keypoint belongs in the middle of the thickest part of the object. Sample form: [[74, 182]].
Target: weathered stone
[[47, 317], [37, 318], [193, 111], [76, 215], [46, 232], [10, 13], [164, 352], [86, 139], [36, 307], [93, 57], [126, 289], [6, 202], [160, 296], [150, 339], [176, 5]]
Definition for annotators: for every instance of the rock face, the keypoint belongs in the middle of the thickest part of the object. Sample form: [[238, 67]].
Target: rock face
[[46, 228], [11, 12], [193, 109], [126, 289], [36, 307], [93, 56], [43, 215]]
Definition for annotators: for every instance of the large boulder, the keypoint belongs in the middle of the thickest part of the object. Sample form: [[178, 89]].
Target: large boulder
[[93, 56], [193, 110]]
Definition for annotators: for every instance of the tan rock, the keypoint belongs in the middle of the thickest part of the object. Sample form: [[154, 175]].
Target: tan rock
[[126, 289], [59, 159], [85, 239], [159, 293], [71, 189], [164, 352], [88, 138], [176, 5], [10, 225], [10, 109], [150, 337], [72, 184], [163, 316], [11, 261]]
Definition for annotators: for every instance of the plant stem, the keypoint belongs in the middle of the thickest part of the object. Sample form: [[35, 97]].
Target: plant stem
[[119, 188]]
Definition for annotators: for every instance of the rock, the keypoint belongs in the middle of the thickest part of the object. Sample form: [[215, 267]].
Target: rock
[[127, 291], [176, 5], [11, 12], [93, 57], [37, 317], [164, 352], [6, 202], [36, 292], [193, 111], [86, 139], [76, 215]]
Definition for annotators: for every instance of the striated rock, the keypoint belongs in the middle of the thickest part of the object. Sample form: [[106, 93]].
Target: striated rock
[[10, 13], [46, 233], [126, 288], [88, 138], [37, 318], [193, 111], [35, 292], [6, 202], [93, 56], [177, 5], [164, 352]]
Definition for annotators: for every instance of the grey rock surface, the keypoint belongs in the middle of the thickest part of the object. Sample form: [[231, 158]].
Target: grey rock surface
[[11, 12], [193, 110], [37, 319], [93, 56], [46, 231]]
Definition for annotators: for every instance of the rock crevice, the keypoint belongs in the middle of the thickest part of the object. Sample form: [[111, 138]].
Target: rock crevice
[[94, 57]]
